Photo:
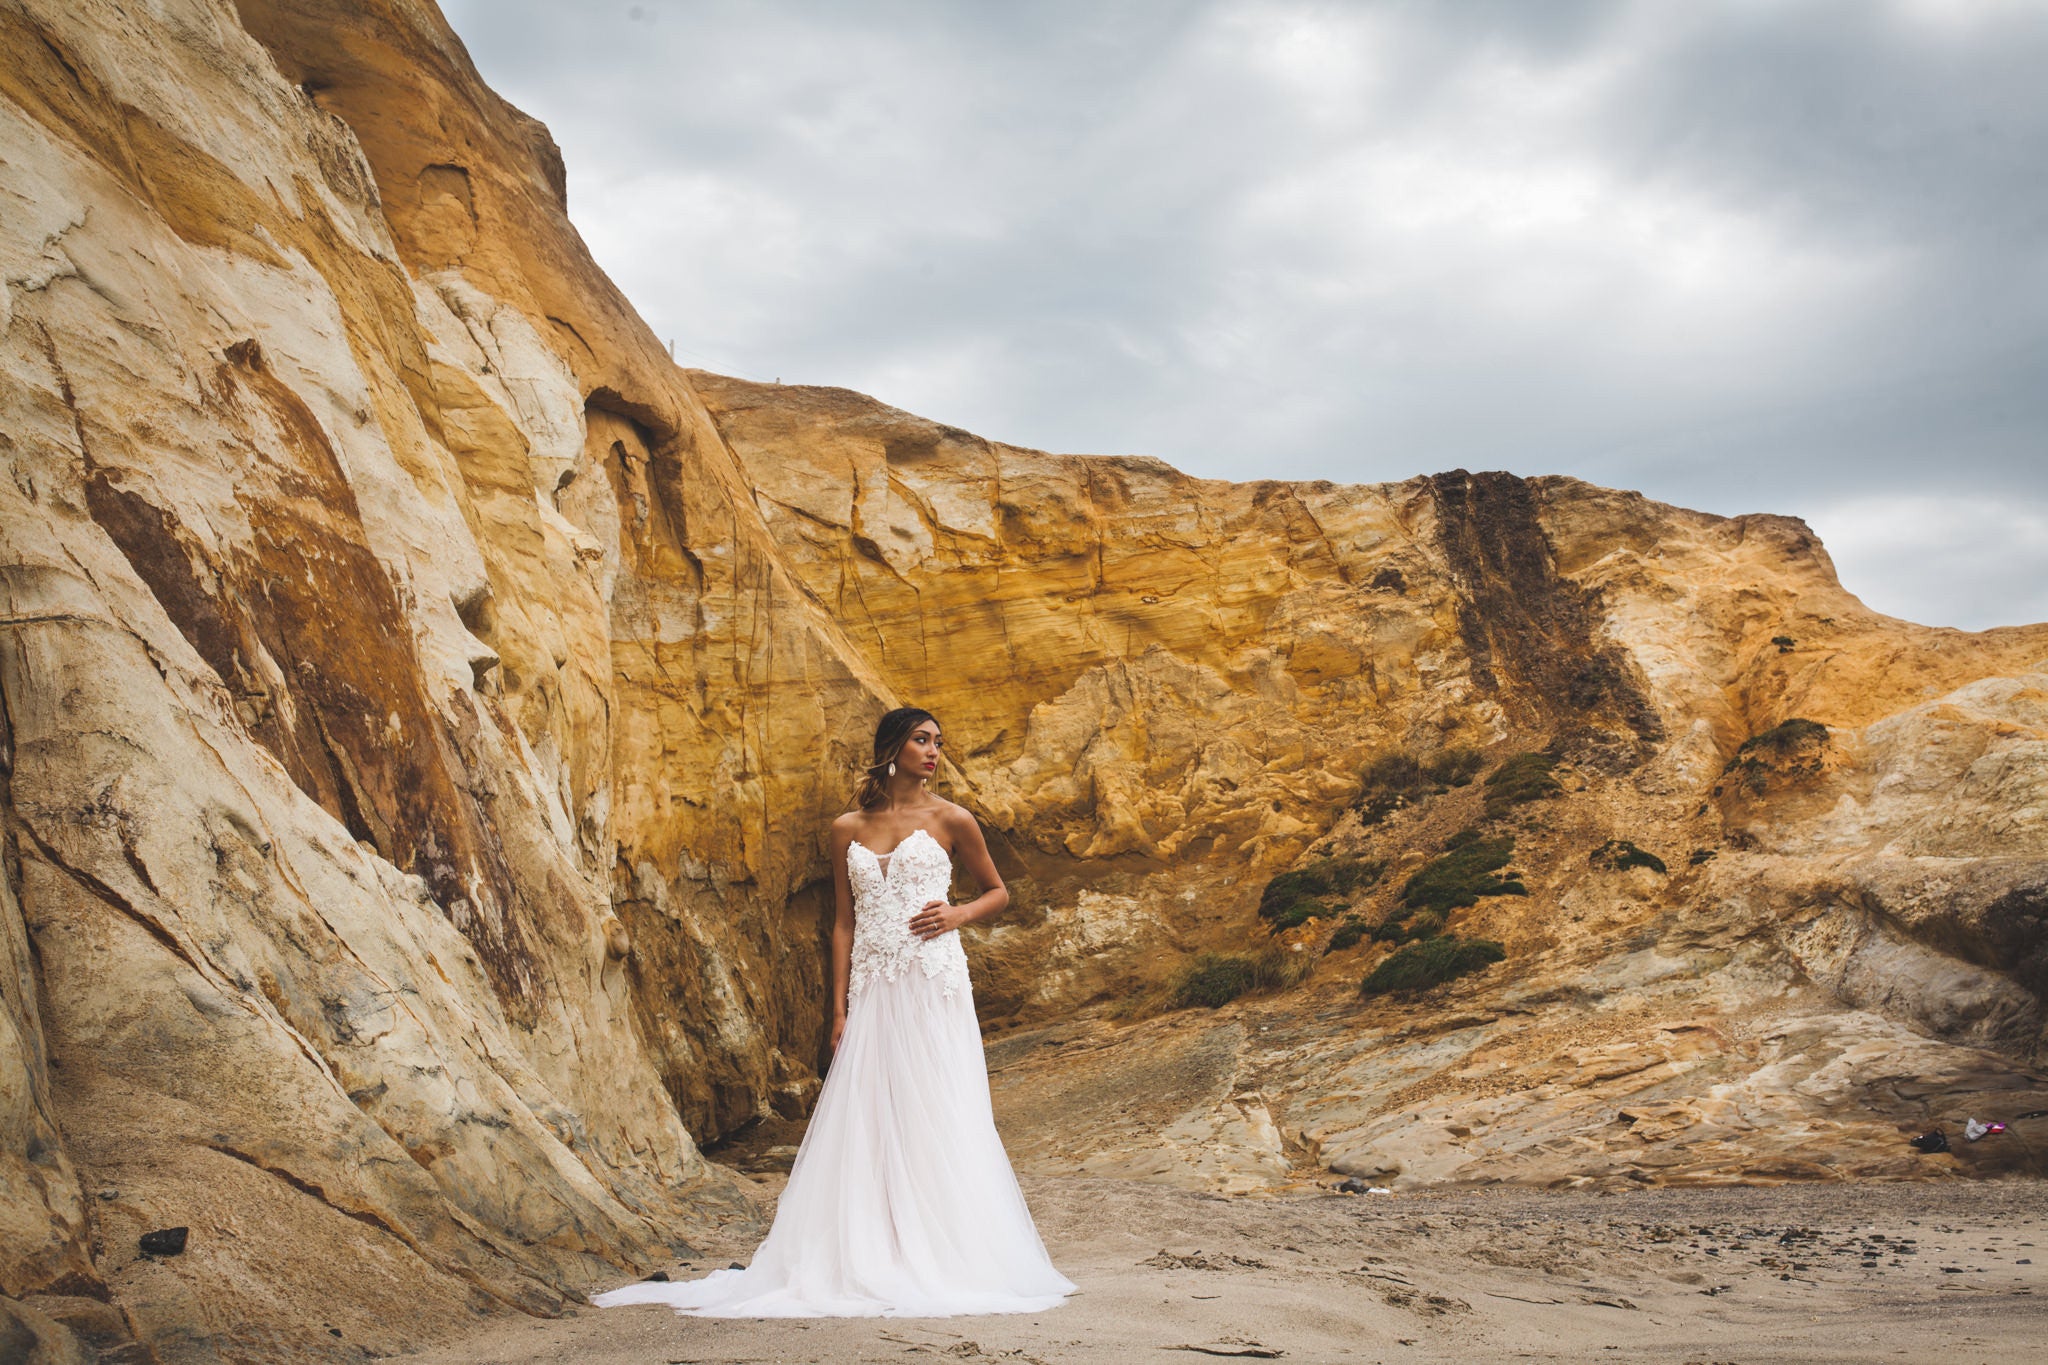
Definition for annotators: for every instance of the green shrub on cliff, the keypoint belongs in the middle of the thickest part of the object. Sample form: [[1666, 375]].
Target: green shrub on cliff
[[1293, 897], [1348, 934], [1431, 962], [1525, 777], [1466, 870], [1296, 915], [1409, 926]]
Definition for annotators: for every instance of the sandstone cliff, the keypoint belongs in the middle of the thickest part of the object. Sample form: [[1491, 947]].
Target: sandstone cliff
[[355, 530], [423, 702], [1164, 681]]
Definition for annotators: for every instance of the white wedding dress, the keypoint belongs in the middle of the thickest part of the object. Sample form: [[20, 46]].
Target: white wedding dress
[[902, 1202]]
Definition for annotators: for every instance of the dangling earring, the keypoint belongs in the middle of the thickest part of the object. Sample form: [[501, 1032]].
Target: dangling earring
[[892, 769]]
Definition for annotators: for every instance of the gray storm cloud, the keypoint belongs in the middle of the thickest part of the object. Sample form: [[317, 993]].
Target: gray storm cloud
[[1742, 256]]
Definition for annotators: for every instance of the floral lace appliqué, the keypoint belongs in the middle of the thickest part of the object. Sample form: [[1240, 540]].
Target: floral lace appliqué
[[884, 902]]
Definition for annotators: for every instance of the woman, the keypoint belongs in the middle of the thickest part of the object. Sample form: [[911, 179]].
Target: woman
[[902, 1202]]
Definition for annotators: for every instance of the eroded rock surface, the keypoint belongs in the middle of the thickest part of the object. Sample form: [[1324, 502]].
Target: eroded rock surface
[[423, 704], [331, 931]]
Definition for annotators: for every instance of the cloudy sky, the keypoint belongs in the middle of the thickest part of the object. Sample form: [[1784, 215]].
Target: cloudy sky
[[1748, 255]]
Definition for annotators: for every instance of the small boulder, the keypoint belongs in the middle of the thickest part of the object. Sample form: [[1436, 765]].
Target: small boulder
[[165, 1241]]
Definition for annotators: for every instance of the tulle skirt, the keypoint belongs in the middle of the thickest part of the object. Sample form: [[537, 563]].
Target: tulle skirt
[[902, 1202]]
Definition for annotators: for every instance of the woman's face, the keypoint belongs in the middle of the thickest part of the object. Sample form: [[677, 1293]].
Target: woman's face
[[920, 753]]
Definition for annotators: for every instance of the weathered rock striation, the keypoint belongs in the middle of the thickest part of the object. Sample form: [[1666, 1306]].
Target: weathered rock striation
[[423, 702], [355, 531]]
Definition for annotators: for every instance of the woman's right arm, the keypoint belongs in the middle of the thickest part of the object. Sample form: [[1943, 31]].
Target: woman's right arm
[[842, 930]]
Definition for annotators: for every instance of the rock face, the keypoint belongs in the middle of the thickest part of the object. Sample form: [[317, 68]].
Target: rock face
[[1189, 682], [359, 546], [423, 703], [1178, 685]]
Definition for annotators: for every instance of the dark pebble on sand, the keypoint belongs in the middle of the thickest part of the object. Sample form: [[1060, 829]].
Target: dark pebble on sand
[[164, 1241], [658, 1277]]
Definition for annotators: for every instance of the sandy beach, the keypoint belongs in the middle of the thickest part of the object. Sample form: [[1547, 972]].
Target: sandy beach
[[1954, 1270]]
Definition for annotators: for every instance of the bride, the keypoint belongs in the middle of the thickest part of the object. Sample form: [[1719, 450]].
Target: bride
[[902, 1202]]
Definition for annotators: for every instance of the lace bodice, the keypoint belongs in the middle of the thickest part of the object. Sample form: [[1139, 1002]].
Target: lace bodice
[[886, 896]]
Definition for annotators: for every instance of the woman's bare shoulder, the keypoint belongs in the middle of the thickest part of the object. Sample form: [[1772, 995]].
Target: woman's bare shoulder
[[954, 816]]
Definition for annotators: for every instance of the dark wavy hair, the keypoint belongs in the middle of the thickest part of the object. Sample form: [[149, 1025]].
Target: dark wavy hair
[[890, 732]]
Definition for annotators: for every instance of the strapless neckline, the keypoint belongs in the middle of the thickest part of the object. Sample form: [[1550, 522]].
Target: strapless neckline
[[883, 861]]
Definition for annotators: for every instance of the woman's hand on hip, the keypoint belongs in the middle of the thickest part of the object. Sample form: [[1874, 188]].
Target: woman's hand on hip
[[937, 918]]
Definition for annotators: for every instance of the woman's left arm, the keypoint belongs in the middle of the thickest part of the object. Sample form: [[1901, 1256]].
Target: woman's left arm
[[937, 917]]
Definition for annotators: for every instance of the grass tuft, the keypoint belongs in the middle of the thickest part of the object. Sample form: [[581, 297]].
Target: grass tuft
[[1396, 778], [1212, 979], [1215, 979], [1454, 767]]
